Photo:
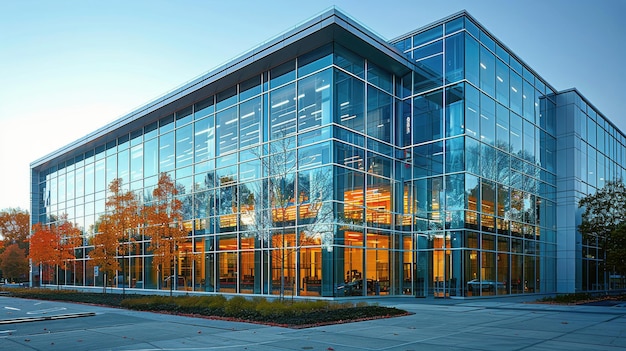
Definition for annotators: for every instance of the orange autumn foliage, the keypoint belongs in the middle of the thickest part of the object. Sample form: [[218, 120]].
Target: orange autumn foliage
[[121, 216], [15, 227], [54, 244], [164, 223]]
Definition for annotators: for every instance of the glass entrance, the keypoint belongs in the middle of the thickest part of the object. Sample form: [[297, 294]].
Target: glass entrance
[[447, 265], [422, 265]]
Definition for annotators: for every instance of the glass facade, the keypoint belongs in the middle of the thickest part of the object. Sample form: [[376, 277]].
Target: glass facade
[[426, 166]]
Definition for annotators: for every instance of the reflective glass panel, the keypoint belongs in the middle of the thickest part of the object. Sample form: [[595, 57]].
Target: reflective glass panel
[[151, 158], [455, 54], [516, 93], [379, 114], [314, 100], [122, 167], [315, 60], [204, 139], [428, 117], [349, 102], [455, 155], [204, 108], [166, 152], [427, 36], [250, 113], [379, 77], [502, 83], [487, 119], [454, 110], [428, 74], [136, 163], [184, 146], [528, 98], [516, 134], [282, 74], [472, 103], [226, 131], [283, 111], [349, 61], [472, 64], [487, 71], [183, 116], [250, 88], [502, 127], [226, 98]]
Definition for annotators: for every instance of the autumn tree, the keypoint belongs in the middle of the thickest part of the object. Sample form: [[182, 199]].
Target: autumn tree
[[164, 226], [121, 217], [55, 245], [15, 227], [42, 246], [13, 263], [603, 213]]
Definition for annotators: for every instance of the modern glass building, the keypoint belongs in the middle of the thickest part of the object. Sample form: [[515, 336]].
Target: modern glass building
[[330, 162]]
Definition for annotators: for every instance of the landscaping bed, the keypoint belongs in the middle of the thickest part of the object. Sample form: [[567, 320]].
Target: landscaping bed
[[292, 314], [584, 299]]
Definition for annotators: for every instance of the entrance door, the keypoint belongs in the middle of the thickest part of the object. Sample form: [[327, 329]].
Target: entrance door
[[444, 282], [442, 268], [422, 265]]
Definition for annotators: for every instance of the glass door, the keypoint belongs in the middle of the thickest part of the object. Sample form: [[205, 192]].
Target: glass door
[[422, 265]]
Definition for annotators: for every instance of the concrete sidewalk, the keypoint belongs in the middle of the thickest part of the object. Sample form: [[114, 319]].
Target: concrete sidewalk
[[494, 324]]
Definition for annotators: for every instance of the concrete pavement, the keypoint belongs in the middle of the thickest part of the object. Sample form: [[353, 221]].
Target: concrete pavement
[[493, 324]]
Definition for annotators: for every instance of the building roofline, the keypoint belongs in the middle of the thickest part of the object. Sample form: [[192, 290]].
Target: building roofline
[[481, 27], [327, 19], [594, 107], [432, 24]]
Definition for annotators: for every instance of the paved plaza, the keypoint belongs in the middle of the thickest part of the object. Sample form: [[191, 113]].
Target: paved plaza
[[494, 324]]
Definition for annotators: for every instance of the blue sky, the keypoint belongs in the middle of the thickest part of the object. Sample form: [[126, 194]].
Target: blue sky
[[69, 67]]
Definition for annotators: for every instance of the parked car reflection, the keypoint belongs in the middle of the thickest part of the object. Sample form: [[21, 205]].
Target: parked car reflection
[[355, 287], [476, 285]]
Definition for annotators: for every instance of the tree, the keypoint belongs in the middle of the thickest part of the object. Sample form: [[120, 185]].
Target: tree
[[54, 245], [274, 198], [603, 213], [15, 227], [42, 245], [616, 251], [164, 226], [13, 263], [286, 196], [120, 218]]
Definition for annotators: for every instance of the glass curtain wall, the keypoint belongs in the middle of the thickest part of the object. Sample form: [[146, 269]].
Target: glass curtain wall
[[483, 159], [254, 169], [330, 176]]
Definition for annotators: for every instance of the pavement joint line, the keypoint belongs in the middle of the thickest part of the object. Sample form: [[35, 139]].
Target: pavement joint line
[[47, 318], [560, 310]]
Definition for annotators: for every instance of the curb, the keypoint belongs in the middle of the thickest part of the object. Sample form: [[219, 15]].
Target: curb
[[47, 318]]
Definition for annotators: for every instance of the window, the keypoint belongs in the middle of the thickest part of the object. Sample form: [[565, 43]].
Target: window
[[226, 131], [282, 112], [428, 117], [487, 71], [379, 113], [349, 101], [314, 101]]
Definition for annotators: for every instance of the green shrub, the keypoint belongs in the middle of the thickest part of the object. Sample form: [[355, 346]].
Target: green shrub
[[568, 298], [240, 307]]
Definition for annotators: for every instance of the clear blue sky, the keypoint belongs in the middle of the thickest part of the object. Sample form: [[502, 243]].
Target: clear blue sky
[[69, 67]]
